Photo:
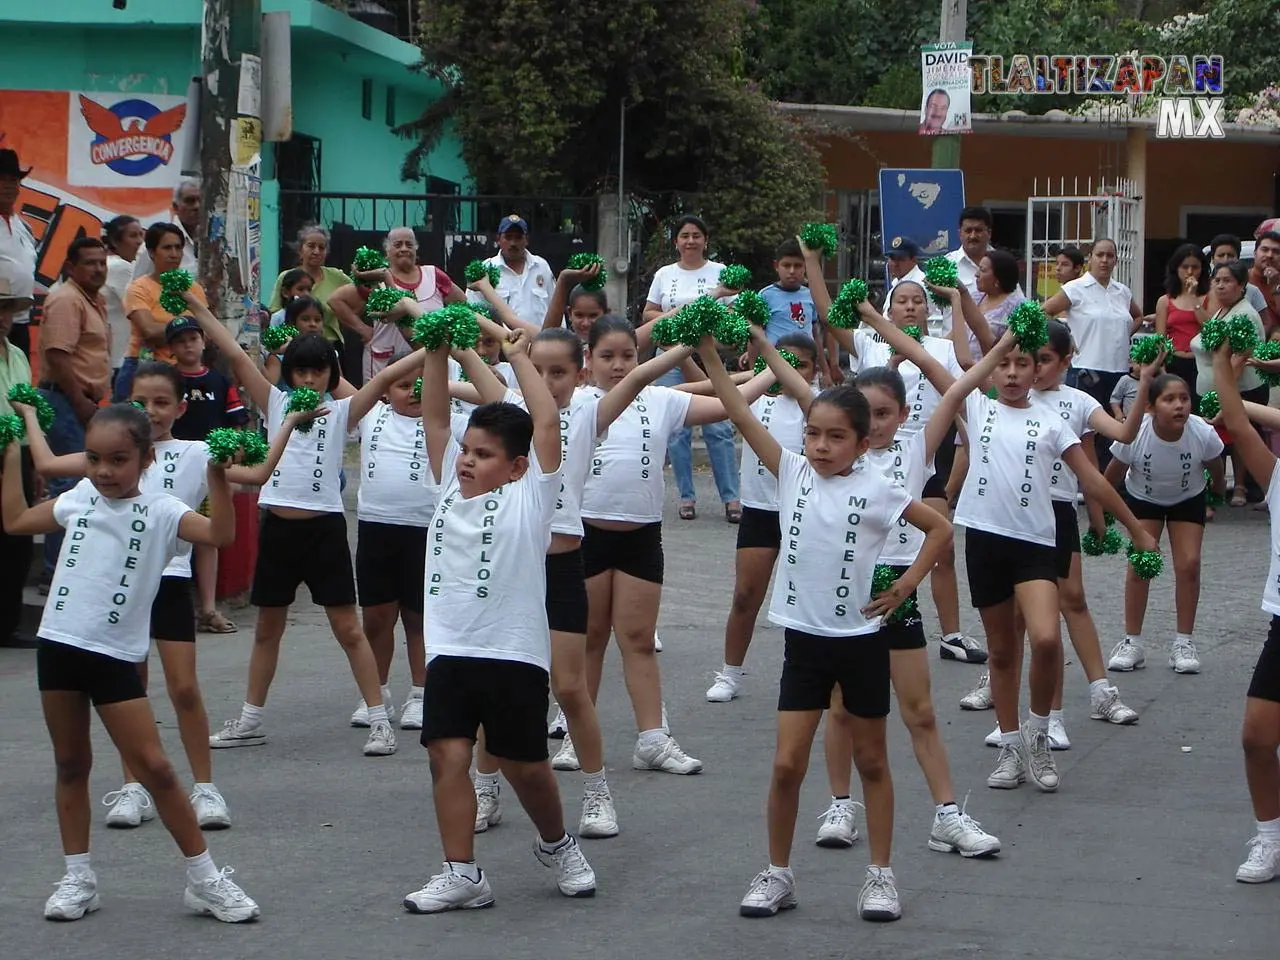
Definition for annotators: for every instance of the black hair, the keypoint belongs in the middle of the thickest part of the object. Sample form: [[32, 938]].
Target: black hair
[[788, 248], [165, 371], [511, 425], [1059, 341], [566, 338], [849, 400], [1225, 240], [1073, 254], [886, 378], [1093, 247], [610, 323], [799, 341], [310, 352], [1272, 235], [135, 421], [1236, 269], [82, 243], [113, 230], [290, 277], [578, 292], [976, 213], [1172, 282], [903, 283], [156, 232], [299, 305], [1004, 267], [1161, 383], [687, 220]]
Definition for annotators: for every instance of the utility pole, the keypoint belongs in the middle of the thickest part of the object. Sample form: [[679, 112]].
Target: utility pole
[[955, 16]]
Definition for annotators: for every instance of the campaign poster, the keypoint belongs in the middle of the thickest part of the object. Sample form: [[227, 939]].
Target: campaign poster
[[944, 99]]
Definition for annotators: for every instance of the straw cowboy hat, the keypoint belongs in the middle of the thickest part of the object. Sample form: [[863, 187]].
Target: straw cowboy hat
[[7, 299]]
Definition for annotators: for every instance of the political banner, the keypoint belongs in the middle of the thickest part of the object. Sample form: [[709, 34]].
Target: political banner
[[944, 101], [125, 139]]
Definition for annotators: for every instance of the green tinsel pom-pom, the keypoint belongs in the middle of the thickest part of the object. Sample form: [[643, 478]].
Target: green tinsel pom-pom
[[464, 328], [254, 446], [1267, 350], [585, 261], [1095, 546], [732, 330], [273, 338], [1238, 329], [735, 277], [751, 307], [884, 577], [45, 414], [762, 364], [368, 259], [417, 391], [913, 332], [1211, 498], [695, 320], [1029, 325], [384, 299], [941, 272], [1210, 405], [303, 399], [843, 314], [481, 308], [174, 283], [1146, 349], [12, 428], [820, 236], [1108, 518], [1147, 564], [478, 268], [223, 444], [431, 330]]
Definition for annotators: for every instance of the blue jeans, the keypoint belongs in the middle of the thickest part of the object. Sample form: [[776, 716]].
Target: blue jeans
[[65, 436], [122, 387], [720, 451]]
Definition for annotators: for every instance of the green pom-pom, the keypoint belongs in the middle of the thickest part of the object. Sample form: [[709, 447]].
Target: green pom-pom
[[761, 365], [477, 269], [584, 261], [431, 330], [1108, 518], [820, 236], [384, 299], [1029, 325], [1237, 329], [1095, 546], [45, 414], [223, 443], [273, 338], [752, 307], [913, 332], [303, 399], [884, 577], [254, 446], [1267, 350], [174, 283], [735, 277], [464, 328], [417, 391], [695, 320], [1210, 405], [1211, 498], [368, 259], [992, 392], [941, 272], [1147, 564], [12, 427], [481, 308], [1146, 349], [843, 314], [732, 330]]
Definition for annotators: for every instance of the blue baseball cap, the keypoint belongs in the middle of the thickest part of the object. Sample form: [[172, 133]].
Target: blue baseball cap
[[902, 247], [180, 325], [513, 221]]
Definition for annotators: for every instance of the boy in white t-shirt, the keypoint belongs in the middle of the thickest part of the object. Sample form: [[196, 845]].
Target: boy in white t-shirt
[[489, 653]]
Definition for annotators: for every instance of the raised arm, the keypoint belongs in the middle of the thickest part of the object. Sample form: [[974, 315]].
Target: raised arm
[[258, 476], [908, 347], [975, 320], [952, 402], [793, 382], [558, 305], [21, 520], [243, 368], [712, 410], [47, 463], [738, 409], [1126, 431], [537, 400], [1258, 458], [436, 414], [484, 382], [613, 403], [219, 528], [504, 313], [364, 399]]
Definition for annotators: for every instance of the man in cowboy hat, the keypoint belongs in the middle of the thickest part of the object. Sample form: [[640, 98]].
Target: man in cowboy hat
[[15, 552], [17, 246]]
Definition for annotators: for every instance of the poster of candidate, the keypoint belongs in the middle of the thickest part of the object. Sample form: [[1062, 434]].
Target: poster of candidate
[[944, 102]]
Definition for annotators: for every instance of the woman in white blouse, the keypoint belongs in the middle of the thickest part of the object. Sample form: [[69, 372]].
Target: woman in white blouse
[[123, 237]]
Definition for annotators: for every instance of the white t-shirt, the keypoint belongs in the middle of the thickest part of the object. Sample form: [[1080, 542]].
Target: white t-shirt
[[625, 481], [119, 276], [109, 570], [1166, 473], [1075, 407], [393, 469], [486, 574], [784, 420], [922, 397], [1011, 455], [504, 369], [181, 470], [1271, 592], [527, 293], [834, 530], [674, 286], [307, 475], [903, 463], [1099, 320]]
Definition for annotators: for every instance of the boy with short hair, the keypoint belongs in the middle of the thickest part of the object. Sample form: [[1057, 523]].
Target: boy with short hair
[[791, 306], [1125, 393], [490, 646]]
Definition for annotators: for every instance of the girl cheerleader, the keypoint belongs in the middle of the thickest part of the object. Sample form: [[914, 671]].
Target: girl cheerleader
[[306, 315], [293, 283], [1164, 483], [178, 469], [93, 634], [572, 305], [839, 515], [1010, 537], [303, 537]]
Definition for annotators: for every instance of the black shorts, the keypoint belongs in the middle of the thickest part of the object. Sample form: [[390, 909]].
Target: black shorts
[[104, 680], [1190, 510], [566, 593], [312, 550], [812, 666], [507, 698], [759, 529], [907, 633], [935, 488], [173, 612], [637, 553], [1265, 684], [996, 564], [391, 563], [1067, 539]]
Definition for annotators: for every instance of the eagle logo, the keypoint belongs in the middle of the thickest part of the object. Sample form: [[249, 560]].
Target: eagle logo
[[133, 137]]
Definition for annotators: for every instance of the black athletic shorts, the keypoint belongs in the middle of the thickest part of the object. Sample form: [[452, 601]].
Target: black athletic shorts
[[996, 564], [104, 680], [311, 550], [1067, 540], [1190, 510], [1265, 684], [391, 563], [566, 592], [173, 612], [812, 666], [935, 488], [907, 633], [509, 699], [759, 529], [637, 553]]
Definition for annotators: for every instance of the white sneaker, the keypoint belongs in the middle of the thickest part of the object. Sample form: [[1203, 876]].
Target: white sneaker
[[211, 810], [839, 825], [1040, 765], [222, 898], [574, 875], [962, 648], [131, 806], [878, 899], [411, 714], [450, 891], [666, 724], [960, 833], [1126, 656], [488, 809], [1011, 769], [1262, 864], [992, 739], [382, 740], [566, 757], [979, 698], [1058, 739], [75, 895], [769, 892], [664, 756], [360, 716], [237, 733], [1183, 657], [724, 689], [558, 727], [599, 818], [1109, 708], [657, 644]]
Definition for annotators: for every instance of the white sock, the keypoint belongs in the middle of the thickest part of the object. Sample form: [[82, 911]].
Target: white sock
[[886, 872], [1055, 715], [250, 716], [201, 868], [1133, 637], [1269, 829], [209, 785], [1099, 689], [415, 693], [386, 693], [1037, 723], [79, 862], [948, 808], [650, 737], [731, 671], [1010, 739], [465, 868], [378, 714], [595, 780], [952, 636], [552, 847], [1182, 638], [784, 871], [486, 779]]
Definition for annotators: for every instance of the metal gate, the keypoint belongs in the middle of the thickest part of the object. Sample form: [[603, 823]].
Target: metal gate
[[1076, 214]]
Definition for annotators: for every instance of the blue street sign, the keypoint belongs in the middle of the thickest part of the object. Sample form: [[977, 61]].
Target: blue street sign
[[923, 205]]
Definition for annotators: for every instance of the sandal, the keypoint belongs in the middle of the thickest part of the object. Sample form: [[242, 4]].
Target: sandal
[[732, 514], [214, 622], [688, 511], [1238, 498]]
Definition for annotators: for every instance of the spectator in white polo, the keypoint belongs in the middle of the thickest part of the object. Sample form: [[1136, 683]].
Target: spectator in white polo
[[527, 280], [186, 214], [17, 248]]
